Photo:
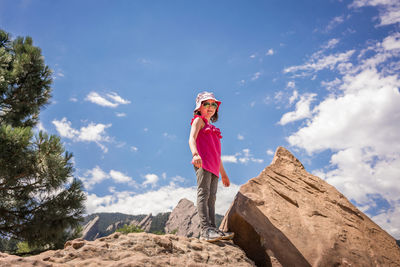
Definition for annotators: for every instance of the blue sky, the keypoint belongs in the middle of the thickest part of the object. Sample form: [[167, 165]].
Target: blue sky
[[317, 77]]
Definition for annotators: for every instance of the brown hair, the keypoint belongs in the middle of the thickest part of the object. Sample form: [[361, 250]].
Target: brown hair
[[214, 117]]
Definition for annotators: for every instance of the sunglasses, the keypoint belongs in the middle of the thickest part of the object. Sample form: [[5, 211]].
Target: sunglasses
[[213, 104]]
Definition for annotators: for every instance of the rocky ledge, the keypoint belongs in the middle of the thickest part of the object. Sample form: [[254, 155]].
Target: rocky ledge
[[136, 249]]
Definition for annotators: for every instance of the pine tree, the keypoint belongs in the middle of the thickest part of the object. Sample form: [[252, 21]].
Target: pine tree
[[40, 201]]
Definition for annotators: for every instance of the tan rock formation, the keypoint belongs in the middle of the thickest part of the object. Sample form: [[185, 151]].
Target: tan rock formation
[[114, 226], [90, 231], [301, 220], [145, 224], [136, 249], [134, 222], [184, 220]]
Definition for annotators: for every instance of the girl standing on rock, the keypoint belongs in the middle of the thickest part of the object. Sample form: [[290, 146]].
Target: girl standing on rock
[[204, 142]]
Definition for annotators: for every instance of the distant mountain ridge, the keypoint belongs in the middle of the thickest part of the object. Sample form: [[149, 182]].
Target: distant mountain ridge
[[107, 223], [106, 219], [104, 223]]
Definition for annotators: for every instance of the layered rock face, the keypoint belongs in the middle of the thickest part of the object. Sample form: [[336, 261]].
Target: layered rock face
[[291, 215], [146, 223], [136, 249], [90, 231], [184, 220], [112, 227]]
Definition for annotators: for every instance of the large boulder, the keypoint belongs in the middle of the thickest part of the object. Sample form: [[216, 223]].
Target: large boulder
[[136, 249], [291, 215], [184, 220]]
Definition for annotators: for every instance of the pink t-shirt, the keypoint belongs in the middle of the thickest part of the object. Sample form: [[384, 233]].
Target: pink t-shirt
[[209, 146]]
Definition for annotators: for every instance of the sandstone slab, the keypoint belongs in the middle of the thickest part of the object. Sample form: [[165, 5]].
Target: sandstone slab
[[184, 220], [145, 224], [90, 231]]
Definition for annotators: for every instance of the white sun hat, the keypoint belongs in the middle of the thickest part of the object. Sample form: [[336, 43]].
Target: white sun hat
[[203, 96]]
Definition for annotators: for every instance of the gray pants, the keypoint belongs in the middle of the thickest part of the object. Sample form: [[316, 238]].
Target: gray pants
[[207, 184]]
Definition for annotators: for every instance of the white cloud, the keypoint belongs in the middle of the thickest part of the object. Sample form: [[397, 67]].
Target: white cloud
[[117, 99], [389, 11], [240, 137], [256, 76], [92, 177], [334, 23], [120, 144], [151, 179], [359, 117], [99, 100], [331, 85], [109, 100], [279, 95], [392, 42], [133, 148], [73, 99], [112, 189], [270, 152], [119, 177], [177, 179], [92, 133], [162, 200], [319, 62], [58, 73], [242, 157], [270, 52], [359, 124], [169, 136], [331, 44], [121, 114], [64, 128], [229, 158], [257, 160], [294, 96], [302, 109], [40, 127], [291, 84], [253, 56], [97, 176]]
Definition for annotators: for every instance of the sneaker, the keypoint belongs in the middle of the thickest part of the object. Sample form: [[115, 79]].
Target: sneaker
[[226, 235], [211, 235]]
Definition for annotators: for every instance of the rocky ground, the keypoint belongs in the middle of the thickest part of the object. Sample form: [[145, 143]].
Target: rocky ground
[[136, 249]]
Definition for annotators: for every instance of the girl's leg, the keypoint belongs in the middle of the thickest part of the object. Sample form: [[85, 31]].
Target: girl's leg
[[211, 199], [203, 192]]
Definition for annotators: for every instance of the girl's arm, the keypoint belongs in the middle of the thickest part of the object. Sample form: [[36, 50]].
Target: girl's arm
[[197, 124], [224, 176]]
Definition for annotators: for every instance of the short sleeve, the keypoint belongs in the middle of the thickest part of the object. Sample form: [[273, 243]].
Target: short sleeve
[[202, 117]]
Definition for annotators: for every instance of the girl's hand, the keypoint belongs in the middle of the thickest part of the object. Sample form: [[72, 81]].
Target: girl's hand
[[196, 161], [225, 180]]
